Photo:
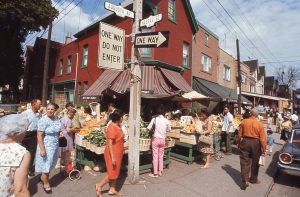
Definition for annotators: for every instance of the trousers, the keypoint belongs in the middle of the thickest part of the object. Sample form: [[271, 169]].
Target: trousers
[[30, 143], [249, 158], [226, 137], [158, 149]]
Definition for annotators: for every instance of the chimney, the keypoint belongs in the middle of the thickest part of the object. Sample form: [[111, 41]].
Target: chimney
[[68, 38]]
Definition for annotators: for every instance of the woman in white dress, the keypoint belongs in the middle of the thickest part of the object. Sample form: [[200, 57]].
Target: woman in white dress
[[14, 158]]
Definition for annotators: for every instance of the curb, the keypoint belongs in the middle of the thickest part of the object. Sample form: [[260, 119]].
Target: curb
[[272, 183]]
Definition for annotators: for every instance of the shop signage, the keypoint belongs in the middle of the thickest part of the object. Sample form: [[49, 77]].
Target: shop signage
[[151, 20], [151, 39], [111, 47], [118, 10]]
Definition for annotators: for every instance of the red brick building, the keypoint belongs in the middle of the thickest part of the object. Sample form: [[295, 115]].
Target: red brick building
[[75, 67]]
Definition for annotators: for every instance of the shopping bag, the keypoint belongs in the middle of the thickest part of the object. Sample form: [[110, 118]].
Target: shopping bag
[[206, 139], [262, 161]]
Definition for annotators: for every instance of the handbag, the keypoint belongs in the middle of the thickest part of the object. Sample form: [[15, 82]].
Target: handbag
[[206, 139], [152, 130], [62, 142]]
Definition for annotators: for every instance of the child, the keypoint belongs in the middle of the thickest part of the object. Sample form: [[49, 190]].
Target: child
[[270, 141]]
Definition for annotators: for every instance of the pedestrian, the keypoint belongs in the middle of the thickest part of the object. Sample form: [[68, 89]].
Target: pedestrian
[[286, 126], [113, 154], [227, 130], [30, 139], [14, 158], [160, 125], [252, 144], [294, 119], [270, 142], [68, 132], [49, 128]]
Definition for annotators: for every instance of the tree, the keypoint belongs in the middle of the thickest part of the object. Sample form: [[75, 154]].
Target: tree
[[288, 76], [18, 18]]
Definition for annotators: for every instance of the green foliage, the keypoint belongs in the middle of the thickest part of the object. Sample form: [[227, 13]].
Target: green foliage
[[96, 137], [18, 18]]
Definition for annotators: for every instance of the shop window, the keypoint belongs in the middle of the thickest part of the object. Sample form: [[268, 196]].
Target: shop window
[[243, 77], [172, 10], [60, 71], [226, 75], [206, 63], [206, 36], [252, 88], [145, 52], [85, 56], [185, 58], [69, 63]]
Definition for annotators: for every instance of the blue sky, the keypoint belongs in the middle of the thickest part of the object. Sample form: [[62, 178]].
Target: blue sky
[[272, 26]]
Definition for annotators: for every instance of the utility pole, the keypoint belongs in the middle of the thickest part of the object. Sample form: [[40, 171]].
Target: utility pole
[[135, 101], [239, 77], [46, 67]]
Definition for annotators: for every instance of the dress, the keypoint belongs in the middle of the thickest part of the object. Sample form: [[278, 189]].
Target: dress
[[66, 122], [11, 156], [51, 128], [203, 147], [115, 133]]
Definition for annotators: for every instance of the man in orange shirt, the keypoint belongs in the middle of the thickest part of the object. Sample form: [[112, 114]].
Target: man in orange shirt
[[252, 144]]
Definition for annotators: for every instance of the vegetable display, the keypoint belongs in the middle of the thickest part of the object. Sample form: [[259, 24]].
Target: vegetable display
[[96, 137]]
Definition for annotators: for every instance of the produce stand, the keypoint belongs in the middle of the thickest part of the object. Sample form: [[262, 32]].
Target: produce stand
[[185, 152]]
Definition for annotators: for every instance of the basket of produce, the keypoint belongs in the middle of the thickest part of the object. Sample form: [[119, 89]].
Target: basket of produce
[[95, 139], [169, 143], [144, 141], [100, 150]]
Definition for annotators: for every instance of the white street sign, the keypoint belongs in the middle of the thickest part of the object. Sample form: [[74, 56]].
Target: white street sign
[[151, 20], [111, 47], [119, 10], [151, 39]]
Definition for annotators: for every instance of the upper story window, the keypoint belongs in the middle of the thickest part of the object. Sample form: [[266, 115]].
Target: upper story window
[[145, 52], [206, 63], [206, 37], [69, 63], [85, 56], [85, 86], [226, 73], [252, 88], [243, 77], [185, 55], [254, 75], [60, 71], [172, 10]]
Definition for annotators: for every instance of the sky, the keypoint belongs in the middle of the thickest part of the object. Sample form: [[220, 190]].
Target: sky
[[268, 30]]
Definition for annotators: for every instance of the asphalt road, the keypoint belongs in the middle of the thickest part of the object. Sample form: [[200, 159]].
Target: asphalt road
[[285, 186]]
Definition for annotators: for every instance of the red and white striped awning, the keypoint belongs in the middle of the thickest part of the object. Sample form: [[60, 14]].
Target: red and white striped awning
[[177, 80]]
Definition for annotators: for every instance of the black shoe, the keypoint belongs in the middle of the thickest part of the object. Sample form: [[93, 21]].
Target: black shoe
[[254, 182], [48, 190], [228, 153], [31, 174], [244, 186]]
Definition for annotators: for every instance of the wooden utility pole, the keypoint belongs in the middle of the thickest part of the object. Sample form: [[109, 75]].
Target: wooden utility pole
[[239, 77], [135, 101], [46, 67]]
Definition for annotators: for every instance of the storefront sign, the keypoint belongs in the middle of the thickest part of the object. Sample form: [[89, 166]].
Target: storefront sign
[[111, 47]]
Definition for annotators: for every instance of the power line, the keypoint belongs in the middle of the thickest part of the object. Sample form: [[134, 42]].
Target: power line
[[280, 62]]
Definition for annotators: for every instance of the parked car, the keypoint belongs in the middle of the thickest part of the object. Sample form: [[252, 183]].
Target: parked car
[[289, 157]]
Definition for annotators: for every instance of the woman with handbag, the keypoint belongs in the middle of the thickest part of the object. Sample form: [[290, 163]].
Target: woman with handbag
[[49, 128], [205, 144]]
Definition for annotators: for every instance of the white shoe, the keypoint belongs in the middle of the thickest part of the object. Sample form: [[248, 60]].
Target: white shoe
[[153, 175]]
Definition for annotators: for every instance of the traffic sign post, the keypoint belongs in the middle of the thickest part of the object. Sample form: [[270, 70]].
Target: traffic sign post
[[119, 10], [151, 39], [111, 47], [151, 20]]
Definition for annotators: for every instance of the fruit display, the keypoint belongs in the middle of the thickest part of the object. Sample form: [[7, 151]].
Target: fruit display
[[175, 124], [144, 133], [217, 123], [236, 122], [189, 127]]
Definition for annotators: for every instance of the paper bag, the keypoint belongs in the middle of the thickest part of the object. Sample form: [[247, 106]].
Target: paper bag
[[262, 161]]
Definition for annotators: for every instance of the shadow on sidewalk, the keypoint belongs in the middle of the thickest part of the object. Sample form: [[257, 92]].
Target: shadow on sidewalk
[[272, 168], [235, 174]]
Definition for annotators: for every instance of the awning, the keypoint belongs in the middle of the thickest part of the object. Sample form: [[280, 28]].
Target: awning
[[193, 95], [102, 83], [264, 96], [177, 80], [217, 91]]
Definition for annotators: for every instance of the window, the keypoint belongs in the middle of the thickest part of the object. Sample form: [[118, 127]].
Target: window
[[145, 52], [69, 63], [78, 94], [252, 88], [85, 56], [185, 55], [206, 36], [243, 77], [60, 71], [85, 86], [172, 10], [226, 73], [206, 63]]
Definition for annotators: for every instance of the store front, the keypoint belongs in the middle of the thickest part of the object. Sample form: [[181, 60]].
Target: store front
[[61, 93]]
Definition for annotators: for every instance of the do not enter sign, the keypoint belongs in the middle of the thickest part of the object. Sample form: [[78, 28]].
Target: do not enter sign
[[111, 47]]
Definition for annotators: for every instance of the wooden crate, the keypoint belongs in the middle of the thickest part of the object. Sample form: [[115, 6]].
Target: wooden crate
[[174, 133], [189, 138]]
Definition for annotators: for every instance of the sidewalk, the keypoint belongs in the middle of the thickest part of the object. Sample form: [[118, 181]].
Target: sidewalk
[[221, 179]]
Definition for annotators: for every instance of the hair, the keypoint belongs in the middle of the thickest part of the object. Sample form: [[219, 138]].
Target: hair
[[111, 104], [72, 111], [56, 107], [116, 115], [159, 110], [51, 104], [269, 131], [226, 107], [254, 112], [34, 101], [69, 105], [247, 114]]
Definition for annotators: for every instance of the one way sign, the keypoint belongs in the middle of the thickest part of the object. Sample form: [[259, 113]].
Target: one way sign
[[151, 39]]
